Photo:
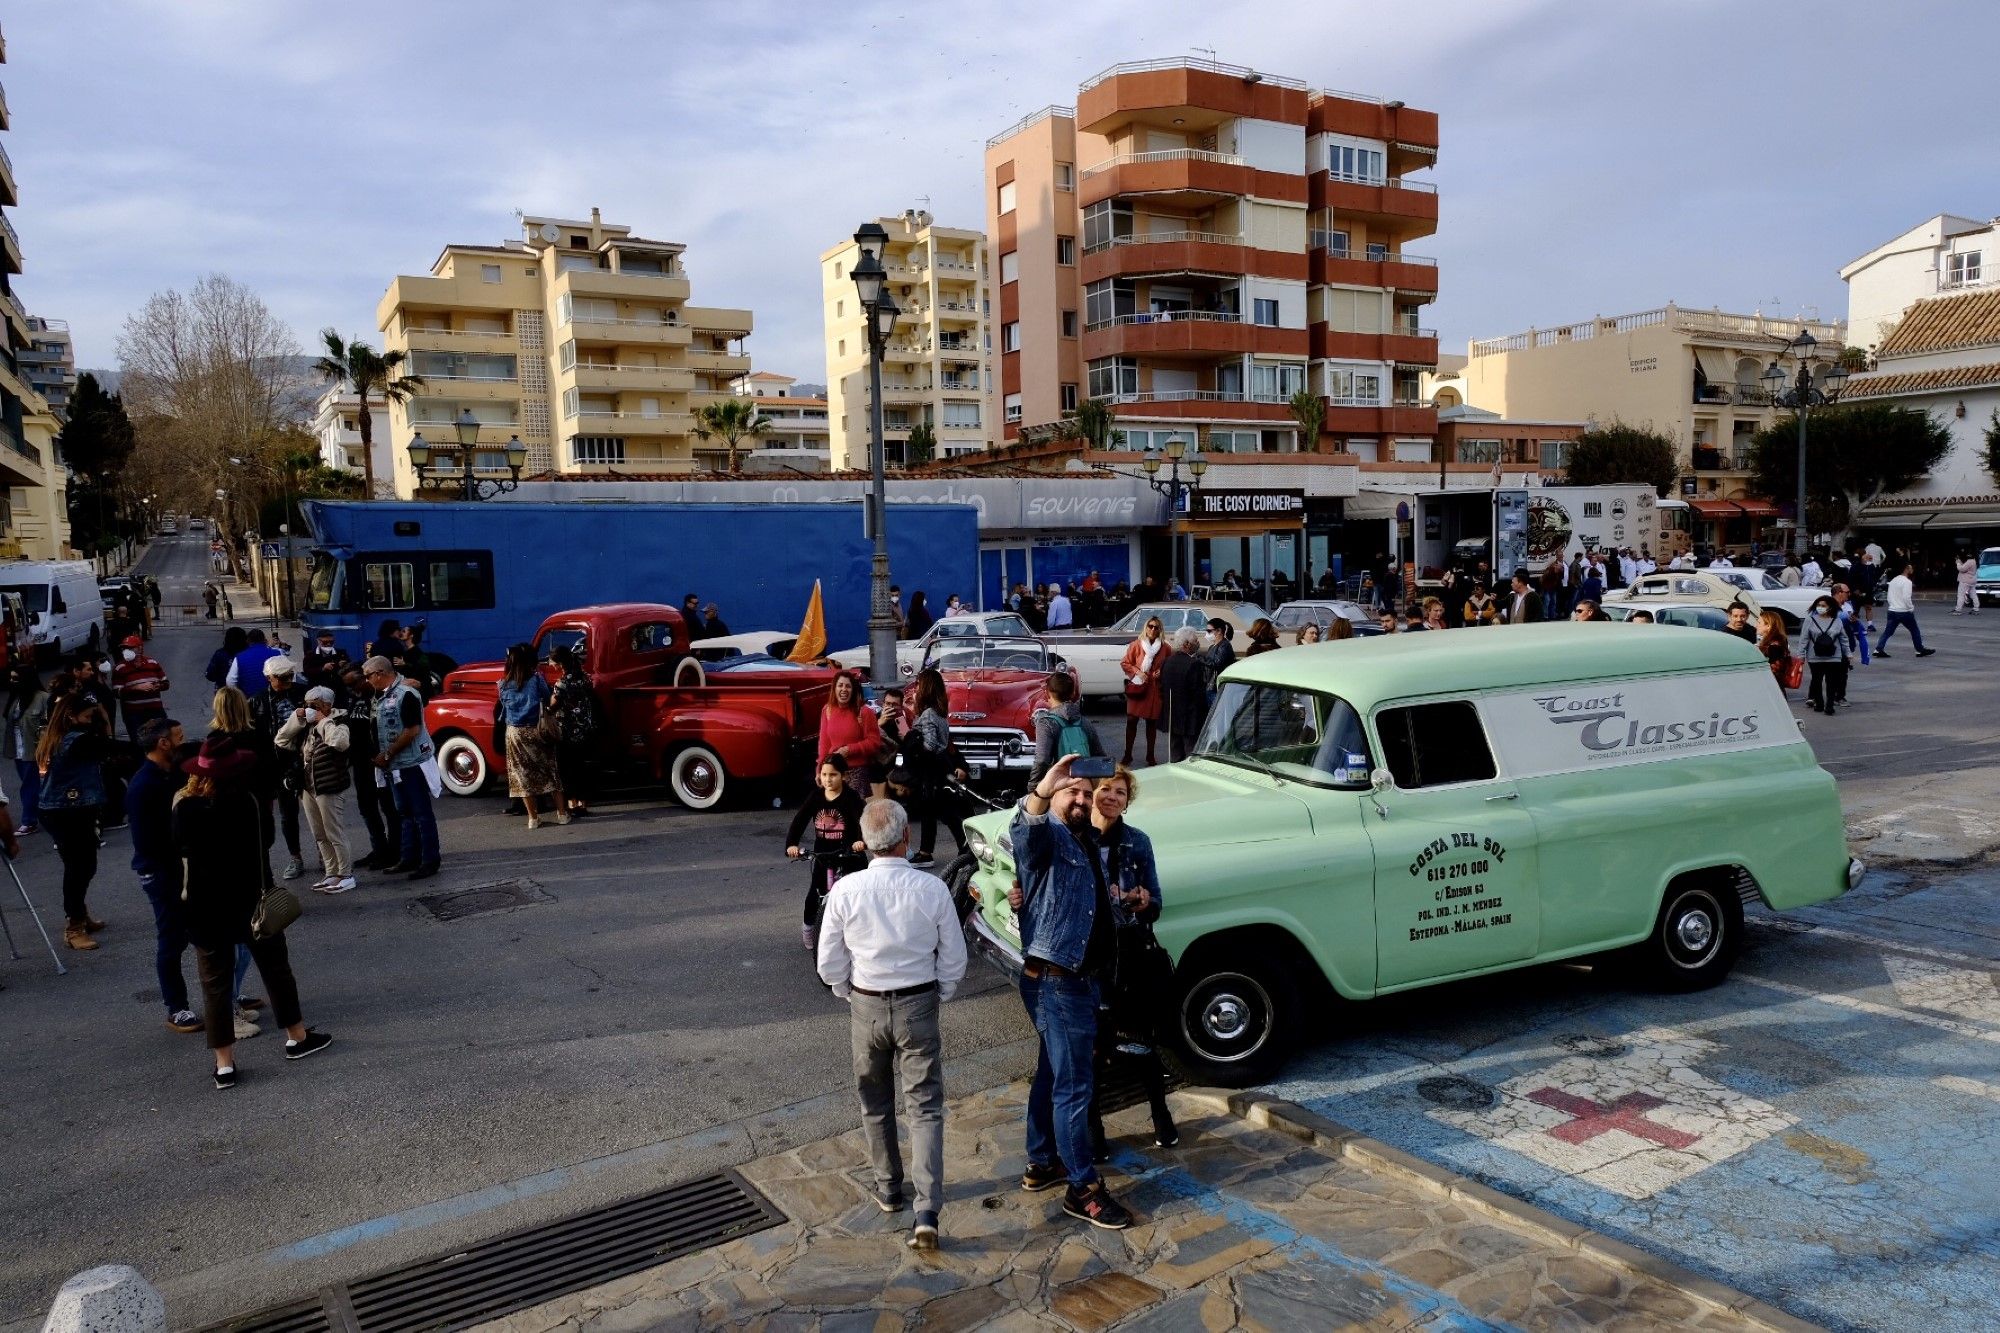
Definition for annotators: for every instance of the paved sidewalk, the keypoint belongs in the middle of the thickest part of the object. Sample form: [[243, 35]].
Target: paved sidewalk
[[1239, 1227]]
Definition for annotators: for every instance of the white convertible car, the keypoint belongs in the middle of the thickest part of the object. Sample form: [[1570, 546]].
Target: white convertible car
[[910, 652]]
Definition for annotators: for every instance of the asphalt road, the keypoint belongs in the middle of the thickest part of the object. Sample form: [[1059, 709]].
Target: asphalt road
[[646, 1013]]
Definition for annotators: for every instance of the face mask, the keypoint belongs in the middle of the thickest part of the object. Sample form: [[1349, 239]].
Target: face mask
[[130, 655]]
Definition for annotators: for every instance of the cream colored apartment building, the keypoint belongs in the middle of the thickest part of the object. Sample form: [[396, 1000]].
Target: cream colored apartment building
[[579, 338], [797, 437], [1196, 242], [935, 367], [1694, 375]]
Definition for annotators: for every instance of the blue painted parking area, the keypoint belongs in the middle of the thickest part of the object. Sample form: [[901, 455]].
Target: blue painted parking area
[[1820, 1131]]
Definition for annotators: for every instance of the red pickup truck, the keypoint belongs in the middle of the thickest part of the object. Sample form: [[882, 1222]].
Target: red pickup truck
[[666, 718]]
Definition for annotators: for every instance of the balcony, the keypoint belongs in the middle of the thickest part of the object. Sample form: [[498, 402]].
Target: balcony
[[1198, 333], [6, 116], [950, 270], [1378, 419], [1393, 269], [1392, 203], [1724, 395], [625, 286], [8, 194], [659, 379], [721, 322], [645, 425], [1412, 135], [734, 363], [1202, 404], [957, 312], [457, 340], [1184, 178], [1417, 347], [1187, 252], [645, 332], [10, 246], [1153, 91], [1710, 458]]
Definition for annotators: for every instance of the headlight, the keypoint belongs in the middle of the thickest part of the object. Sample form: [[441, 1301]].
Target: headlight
[[1015, 745], [982, 850]]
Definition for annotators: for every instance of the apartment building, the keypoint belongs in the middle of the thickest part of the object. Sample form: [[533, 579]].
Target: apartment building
[[1195, 242], [1944, 254], [336, 424], [34, 504], [798, 438], [935, 369], [48, 363], [578, 338]]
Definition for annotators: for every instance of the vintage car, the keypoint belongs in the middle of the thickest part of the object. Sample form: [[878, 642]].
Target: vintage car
[[994, 686], [1364, 818], [1986, 588], [1292, 617], [665, 719], [757, 643], [1097, 655], [910, 652], [1719, 587], [1693, 615]]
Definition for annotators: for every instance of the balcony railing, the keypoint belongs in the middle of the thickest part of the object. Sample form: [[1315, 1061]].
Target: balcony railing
[[1412, 331], [1168, 238], [1199, 396], [1390, 182], [1243, 72], [7, 230], [1708, 458], [1169, 317], [1032, 118], [1168, 155], [8, 160], [415, 329], [429, 376], [1324, 240], [1743, 395]]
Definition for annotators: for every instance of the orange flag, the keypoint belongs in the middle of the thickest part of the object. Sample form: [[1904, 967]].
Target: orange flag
[[812, 635]]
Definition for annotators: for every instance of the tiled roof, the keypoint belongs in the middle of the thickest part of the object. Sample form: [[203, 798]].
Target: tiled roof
[[1889, 384], [1944, 323], [1934, 502]]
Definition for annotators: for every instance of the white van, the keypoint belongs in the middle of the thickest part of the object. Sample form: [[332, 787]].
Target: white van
[[65, 612]]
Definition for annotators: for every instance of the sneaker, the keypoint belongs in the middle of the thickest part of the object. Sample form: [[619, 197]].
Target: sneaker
[[341, 885], [26, 829], [424, 872], [1880, 653], [246, 1028], [1170, 1138], [889, 1201], [1096, 1206], [315, 1040], [1926, 652], [293, 869], [1040, 1176], [184, 1020], [810, 938], [923, 859], [924, 1235], [225, 1079]]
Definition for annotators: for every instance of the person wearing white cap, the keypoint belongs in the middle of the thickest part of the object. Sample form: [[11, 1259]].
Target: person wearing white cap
[[318, 734], [270, 709]]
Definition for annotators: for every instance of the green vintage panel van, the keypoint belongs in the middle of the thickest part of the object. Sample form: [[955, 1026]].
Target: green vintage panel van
[[1368, 816]]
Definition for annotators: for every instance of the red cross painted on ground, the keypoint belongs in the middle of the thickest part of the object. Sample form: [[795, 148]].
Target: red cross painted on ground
[[1626, 1113]]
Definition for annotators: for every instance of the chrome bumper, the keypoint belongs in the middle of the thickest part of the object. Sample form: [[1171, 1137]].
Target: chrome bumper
[[995, 950]]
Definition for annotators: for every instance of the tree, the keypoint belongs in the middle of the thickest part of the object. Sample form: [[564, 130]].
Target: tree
[[95, 445], [1993, 446], [1855, 454], [1309, 410], [1095, 423], [1617, 455], [731, 420], [365, 371], [1854, 360], [923, 443]]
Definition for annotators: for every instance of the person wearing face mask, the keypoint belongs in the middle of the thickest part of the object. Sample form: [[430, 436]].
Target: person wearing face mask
[[319, 734], [140, 684]]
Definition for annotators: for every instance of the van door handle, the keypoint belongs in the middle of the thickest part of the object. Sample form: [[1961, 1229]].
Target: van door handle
[[1510, 796]]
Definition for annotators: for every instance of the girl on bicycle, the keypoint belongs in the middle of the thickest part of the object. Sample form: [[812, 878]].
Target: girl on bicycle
[[833, 812]]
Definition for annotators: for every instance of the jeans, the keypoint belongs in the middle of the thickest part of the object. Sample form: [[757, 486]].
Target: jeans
[[378, 814], [1064, 1011], [413, 803], [169, 936], [30, 774], [1908, 620], [895, 1040], [75, 833], [217, 968]]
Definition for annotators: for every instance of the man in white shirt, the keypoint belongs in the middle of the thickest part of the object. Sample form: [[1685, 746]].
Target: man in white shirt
[[1722, 561], [1059, 612], [1903, 611], [891, 945]]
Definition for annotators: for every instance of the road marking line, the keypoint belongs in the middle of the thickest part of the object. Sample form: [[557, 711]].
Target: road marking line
[[1871, 1007], [1968, 1085], [1790, 927]]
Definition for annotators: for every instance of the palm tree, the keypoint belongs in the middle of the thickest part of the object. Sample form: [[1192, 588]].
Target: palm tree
[[1309, 410], [731, 420], [364, 370]]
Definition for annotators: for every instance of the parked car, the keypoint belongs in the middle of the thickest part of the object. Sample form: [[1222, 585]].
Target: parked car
[[910, 652], [1293, 616], [1790, 603], [666, 720], [1097, 655], [1695, 615], [994, 686], [1719, 587], [1987, 587], [65, 610], [1384, 816], [763, 643]]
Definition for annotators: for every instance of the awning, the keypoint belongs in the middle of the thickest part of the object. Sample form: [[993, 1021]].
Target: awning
[[1935, 520], [1715, 508], [1759, 508]]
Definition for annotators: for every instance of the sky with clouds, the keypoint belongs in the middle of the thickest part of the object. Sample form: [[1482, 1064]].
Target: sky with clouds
[[1598, 156]]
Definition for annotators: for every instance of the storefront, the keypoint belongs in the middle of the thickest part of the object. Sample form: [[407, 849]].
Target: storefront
[[1735, 525], [1250, 532]]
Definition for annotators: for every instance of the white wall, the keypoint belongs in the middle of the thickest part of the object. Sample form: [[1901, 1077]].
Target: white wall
[[1963, 471], [1880, 293], [1290, 296]]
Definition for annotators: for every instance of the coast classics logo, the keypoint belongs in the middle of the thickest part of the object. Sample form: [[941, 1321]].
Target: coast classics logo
[[1605, 727]]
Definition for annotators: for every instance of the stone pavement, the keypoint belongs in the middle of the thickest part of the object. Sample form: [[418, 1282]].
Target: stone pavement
[[1240, 1227]]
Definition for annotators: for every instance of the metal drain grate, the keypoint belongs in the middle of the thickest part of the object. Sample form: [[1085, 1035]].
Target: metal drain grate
[[502, 896], [527, 1267]]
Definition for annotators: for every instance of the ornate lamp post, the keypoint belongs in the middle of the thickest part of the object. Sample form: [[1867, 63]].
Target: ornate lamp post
[[1806, 392], [878, 307], [1175, 489], [471, 487]]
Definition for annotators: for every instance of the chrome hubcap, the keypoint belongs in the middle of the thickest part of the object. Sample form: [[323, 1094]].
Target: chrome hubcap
[[1226, 1018], [1696, 930], [699, 779]]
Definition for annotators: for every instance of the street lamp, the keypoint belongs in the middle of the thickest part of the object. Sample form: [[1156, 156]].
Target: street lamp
[[1175, 489], [878, 308], [422, 455], [1807, 392]]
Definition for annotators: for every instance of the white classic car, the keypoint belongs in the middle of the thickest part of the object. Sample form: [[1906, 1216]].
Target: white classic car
[[1098, 655], [910, 652]]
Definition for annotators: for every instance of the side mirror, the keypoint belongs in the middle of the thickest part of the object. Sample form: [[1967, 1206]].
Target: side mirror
[[1381, 780]]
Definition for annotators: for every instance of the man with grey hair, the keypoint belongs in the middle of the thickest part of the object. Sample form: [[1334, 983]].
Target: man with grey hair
[[318, 733], [1184, 695], [891, 945]]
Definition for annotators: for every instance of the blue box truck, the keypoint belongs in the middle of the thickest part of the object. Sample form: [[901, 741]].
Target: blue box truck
[[486, 575]]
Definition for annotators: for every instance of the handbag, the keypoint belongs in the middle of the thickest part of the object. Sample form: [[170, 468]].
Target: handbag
[[1795, 672], [277, 909], [1141, 973], [1136, 689]]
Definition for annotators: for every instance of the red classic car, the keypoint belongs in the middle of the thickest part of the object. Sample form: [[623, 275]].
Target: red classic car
[[666, 717], [994, 686]]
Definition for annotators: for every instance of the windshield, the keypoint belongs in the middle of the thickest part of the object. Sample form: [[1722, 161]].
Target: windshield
[[329, 583], [1990, 556], [34, 596], [1299, 734], [990, 654]]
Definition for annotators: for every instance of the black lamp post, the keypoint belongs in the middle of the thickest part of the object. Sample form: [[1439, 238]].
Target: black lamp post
[[1807, 392], [1175, 489], [878, 308], [472, 488]]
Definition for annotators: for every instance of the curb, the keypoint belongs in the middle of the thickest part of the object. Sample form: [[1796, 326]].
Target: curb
[[1295, 1121]]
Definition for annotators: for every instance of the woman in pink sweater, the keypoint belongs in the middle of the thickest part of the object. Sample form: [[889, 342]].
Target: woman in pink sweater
[[849, 729]]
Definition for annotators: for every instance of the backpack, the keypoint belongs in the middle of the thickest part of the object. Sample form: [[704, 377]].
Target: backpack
[[1822, 643], [1074, 738]]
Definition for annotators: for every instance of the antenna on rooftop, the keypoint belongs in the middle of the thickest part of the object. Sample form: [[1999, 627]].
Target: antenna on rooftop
[[1208, 51]]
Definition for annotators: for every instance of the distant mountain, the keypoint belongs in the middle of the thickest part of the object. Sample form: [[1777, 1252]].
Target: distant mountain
[[109, 379]]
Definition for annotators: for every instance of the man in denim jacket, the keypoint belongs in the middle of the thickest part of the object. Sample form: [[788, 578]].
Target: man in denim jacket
[[1067, 936]]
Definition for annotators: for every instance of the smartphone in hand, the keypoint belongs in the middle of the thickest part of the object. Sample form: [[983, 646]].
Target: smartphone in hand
[[1092, 766]]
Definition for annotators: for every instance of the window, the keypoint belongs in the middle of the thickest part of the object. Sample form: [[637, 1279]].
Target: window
[[837, 266], [1010, 336], [577, 264], [1962, 268], [1114, 377], [1353, 388], [588, 449], [571, 402], [463, 365], [1069, 323], [577, 242], [839, 309], [1106, 301], [1007, 197], [1264, 311], [1352, 162], [1311, 737], [565, 305], [1350, 311], [1104, 223], [1377, 250], [653, 637], [1065, 176], [1234, 441], [489, 273], [566, 354], [1066, 250], [1434, 745], [1336, 244], [1276, 381], [1555, 453], [460, 580], [1478, 451], [961, 414], [840, 347], [1013, 407], [391, 586], [1010, 267], [1069, 398]]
